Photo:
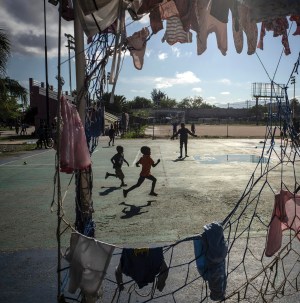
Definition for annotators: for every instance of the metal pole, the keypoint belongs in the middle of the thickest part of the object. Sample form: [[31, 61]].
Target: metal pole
[[70, 72], [46, 67], [227, 119], [80, 64]]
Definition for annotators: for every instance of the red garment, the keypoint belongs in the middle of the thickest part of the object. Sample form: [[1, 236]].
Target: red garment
[[279, 26], [74, 153], [297, 20], [146, 161], [286, 215]]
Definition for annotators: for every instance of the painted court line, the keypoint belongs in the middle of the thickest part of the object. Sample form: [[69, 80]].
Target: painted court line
[[24, 158], [136, 159]]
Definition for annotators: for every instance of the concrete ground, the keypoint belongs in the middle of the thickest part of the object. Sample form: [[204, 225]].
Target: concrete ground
[[198, 190]]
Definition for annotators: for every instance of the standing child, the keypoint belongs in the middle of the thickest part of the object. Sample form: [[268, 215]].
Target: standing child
[[146, 161], [117, 161], [111, 134]]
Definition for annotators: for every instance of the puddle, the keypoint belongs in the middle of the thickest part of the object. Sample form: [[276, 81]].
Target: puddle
[[207, 159]]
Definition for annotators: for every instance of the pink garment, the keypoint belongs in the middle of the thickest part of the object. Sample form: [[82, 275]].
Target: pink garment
[[187, 14], [286, 215], [279, 26], [168, 9], [137, 46], [152, 7], [247, 26], [209, 24], [175, 32], [74, 153]]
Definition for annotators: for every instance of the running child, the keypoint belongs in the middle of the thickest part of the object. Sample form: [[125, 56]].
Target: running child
[[146, 161], [117, 161]]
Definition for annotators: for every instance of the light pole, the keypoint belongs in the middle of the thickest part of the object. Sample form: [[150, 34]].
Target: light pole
[[293, 81], [71, 45]]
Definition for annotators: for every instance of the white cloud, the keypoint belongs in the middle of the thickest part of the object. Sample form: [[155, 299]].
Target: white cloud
[[187, 77], [137, 90], [162, 56], [148, 52], [176, 51], [197, 89], [225, 81], [225, 93]]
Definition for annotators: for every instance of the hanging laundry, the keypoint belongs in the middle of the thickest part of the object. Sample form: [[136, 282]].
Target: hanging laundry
[[220, 9], [133, 7], [286, 215], [67, 11], [262, 10], [168, 9], [279, 26], [89, 260], [210, 253], [175, 32], [137, 47], [207, 25], [245, 25], [297, 20], [152, 7], [73, 146], [187, 14], [94, 21], [143, 266]]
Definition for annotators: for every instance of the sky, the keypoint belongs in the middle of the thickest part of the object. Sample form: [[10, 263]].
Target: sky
[[175, 70]]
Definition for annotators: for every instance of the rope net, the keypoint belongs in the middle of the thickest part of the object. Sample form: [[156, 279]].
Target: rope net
[[249, 275]]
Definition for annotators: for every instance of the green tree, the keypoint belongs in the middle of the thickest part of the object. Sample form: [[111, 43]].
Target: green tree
[[168, 103], [117, 106], [10, 90], [140, 102], [157, 95]]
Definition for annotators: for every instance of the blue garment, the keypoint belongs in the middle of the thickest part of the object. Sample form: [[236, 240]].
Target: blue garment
[[210, 253]]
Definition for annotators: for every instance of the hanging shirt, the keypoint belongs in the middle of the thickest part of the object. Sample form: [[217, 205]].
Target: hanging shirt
[[143, 265], [286, 215]]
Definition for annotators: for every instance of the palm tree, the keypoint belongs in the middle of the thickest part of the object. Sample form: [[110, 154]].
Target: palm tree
[[10, 90], [4, 51]]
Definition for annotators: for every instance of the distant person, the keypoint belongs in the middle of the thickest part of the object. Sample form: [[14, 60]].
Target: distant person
[[147, 162], [193, 129], [42, 137], [111, 134], [23, 129], [117, 161], [183, 132], [17, 127], [174, 128]]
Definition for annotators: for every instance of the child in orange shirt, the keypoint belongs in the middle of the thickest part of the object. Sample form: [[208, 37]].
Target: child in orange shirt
[[147, 162]]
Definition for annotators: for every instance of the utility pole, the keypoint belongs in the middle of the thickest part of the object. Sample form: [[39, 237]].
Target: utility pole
[[46, 68], [71, 45], [293, 81]]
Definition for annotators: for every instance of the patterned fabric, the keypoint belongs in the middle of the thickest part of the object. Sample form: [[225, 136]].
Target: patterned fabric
[[175, 32], [279, 26], [297, 20], [168, 9]]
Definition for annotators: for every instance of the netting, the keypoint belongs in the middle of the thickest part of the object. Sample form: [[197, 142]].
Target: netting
[[246, 272]]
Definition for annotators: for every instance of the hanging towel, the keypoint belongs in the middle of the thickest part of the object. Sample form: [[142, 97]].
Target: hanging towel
[[286, 215], [89, 260]]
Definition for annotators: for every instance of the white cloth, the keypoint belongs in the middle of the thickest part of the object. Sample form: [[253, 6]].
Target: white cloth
[[89, 260], [94, 21]]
